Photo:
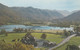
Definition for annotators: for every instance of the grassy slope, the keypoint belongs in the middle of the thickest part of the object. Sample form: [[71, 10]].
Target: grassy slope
[[73, 41]]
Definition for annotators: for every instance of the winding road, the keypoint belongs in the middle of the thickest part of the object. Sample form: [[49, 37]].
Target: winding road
[[63, 42]]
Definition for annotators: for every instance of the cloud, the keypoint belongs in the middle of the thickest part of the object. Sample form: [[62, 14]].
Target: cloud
[[45, 4]]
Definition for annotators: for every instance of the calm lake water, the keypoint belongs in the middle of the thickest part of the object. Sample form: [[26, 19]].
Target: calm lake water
[[11, 27]]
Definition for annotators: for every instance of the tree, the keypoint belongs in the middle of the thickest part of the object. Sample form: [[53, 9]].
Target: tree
[[5, 46], [3, 31], [72, 47], [28, 34], [20, 46], [15, 46], [18, 30], [43, 36], [57, 33], [25, 30], [15, 30], [66, 33], [6, 34], [77, 29], [28, 30]]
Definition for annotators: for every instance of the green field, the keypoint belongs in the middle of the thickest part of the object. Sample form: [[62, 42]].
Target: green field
[[50, 37], [73, 41], [11, 36]]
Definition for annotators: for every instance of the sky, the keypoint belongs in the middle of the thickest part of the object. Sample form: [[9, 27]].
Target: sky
[[44, 4]]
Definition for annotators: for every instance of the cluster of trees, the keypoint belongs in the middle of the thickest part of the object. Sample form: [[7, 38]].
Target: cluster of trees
[[77, 30], [72, 47], [3, 31], [29, 39], [64, 23], [15, 46], [22, 30], [43, 36], [65, 33], [18, 30]]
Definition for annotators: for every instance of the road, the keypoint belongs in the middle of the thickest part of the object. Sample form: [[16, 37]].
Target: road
[[63, 42]]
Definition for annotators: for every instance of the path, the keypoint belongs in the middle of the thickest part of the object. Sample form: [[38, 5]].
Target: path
[[63, 42]]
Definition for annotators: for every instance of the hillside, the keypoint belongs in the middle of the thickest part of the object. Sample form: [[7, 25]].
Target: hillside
[[7, 15], [64, 12], [75, 17], [21, 15], [34, 14]]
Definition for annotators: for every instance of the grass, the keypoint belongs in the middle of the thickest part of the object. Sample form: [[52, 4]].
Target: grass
[[39, 49], [50, 37], [52, 31], [11, 36], [73, 41]]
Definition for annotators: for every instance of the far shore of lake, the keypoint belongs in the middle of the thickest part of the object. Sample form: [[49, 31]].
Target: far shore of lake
[[51, 31]]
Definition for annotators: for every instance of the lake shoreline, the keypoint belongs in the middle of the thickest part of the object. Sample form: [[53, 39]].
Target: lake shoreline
[[10, 28]]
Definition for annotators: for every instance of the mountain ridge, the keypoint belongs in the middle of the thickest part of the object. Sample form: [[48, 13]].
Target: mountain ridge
[[21, 15], [26, 14]]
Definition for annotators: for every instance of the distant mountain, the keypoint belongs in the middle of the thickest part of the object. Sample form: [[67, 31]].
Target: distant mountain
[[75, 11], [21, 15], [64, 12], [75, 17], [34, 14]]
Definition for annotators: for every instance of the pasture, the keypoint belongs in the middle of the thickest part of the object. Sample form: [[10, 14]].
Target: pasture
[[50, 37], [73, 41]]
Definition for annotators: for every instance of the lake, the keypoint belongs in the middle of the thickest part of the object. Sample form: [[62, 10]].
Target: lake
[[11, 27]]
